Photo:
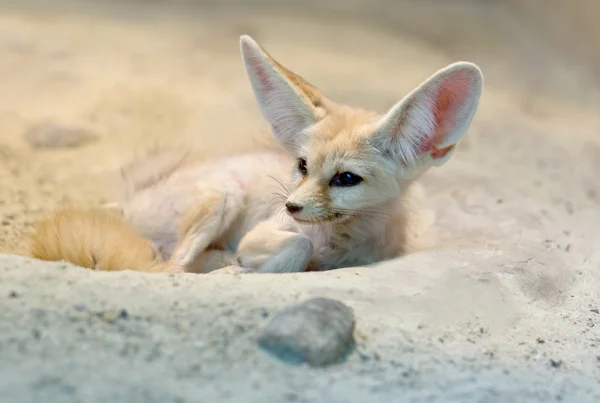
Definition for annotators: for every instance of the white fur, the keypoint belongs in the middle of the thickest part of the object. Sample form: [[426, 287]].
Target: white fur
[[245, 215], [227, 213]]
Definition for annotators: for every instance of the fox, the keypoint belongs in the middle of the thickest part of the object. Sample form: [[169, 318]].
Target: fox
[[334, 191]]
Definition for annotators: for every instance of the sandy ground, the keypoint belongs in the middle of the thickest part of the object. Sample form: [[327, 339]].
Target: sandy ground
[[504, 307]]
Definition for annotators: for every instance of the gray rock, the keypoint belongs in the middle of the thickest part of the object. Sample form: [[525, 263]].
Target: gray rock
[[54, 135], [319, 332]]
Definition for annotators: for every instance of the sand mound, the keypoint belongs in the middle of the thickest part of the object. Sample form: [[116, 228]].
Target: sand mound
[[503, 307]]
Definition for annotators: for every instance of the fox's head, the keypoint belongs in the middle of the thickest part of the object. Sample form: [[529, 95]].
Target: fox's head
[[350, 160]]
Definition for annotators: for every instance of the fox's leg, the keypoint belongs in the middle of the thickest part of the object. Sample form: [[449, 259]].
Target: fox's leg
[[232, 270], [212, 259], [268, 249], [202, 225]]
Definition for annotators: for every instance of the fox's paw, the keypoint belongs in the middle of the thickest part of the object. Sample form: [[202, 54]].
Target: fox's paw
[[174, 269], [232, 270]]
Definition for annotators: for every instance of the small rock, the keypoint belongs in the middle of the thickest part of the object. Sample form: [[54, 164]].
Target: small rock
[[54, 135], [555, 364], [112, 316], [318, 332], [540, 340], [109, 316], [595, 310], [79, 307], [13, 294]]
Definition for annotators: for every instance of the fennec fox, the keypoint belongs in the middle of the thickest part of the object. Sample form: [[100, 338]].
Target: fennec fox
[[342, 174]]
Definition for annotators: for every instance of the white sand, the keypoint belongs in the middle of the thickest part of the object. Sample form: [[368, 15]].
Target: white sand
[[517, 212]]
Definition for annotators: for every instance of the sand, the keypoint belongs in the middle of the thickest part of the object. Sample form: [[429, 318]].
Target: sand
[[503, 306]]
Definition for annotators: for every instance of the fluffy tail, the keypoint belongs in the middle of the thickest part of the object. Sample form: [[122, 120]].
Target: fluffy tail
[[94, 238]]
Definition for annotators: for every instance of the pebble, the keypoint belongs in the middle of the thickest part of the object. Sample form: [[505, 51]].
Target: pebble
[[555, 363], [318, 331], [112, 316], [79, 307], [54, 135]]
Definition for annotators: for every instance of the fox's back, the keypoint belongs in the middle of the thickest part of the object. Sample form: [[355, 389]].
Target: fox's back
[[257, 177]]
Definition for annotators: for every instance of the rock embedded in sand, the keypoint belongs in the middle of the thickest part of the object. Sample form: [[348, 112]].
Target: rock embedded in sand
[[318, 331], [111, 316], [49, 134], [555, 363]]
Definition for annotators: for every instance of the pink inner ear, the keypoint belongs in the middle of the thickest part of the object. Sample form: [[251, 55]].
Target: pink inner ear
[[262, 74], [453, 94], [451, 97]]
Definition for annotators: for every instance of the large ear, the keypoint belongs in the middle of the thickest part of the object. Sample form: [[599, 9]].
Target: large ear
[[288, 102], [428, 123]]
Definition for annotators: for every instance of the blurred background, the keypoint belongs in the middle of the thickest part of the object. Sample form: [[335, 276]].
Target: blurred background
[[87, 85]]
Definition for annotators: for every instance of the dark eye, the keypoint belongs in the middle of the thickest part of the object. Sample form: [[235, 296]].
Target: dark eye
[[345, 179], [302, 166]]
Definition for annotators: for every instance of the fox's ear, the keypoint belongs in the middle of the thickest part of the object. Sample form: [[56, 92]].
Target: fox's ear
[[428, 123], [288, 102]]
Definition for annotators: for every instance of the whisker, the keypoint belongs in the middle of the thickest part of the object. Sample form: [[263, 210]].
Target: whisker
[[280, 213], [282, 186], [277, 198]]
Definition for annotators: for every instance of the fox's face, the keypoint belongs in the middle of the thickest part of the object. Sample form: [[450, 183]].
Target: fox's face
[[339, 174], [352, 162]]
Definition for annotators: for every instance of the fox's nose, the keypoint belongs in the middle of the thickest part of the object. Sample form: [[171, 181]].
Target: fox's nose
[[293, 208]]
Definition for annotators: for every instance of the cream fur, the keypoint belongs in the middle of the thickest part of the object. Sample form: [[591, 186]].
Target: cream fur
[[229, 214]]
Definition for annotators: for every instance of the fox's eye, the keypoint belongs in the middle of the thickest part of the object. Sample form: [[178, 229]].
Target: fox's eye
[[302, 166], [345, 179]]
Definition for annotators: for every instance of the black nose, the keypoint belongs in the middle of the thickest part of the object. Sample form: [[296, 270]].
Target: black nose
[[293, 208]]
